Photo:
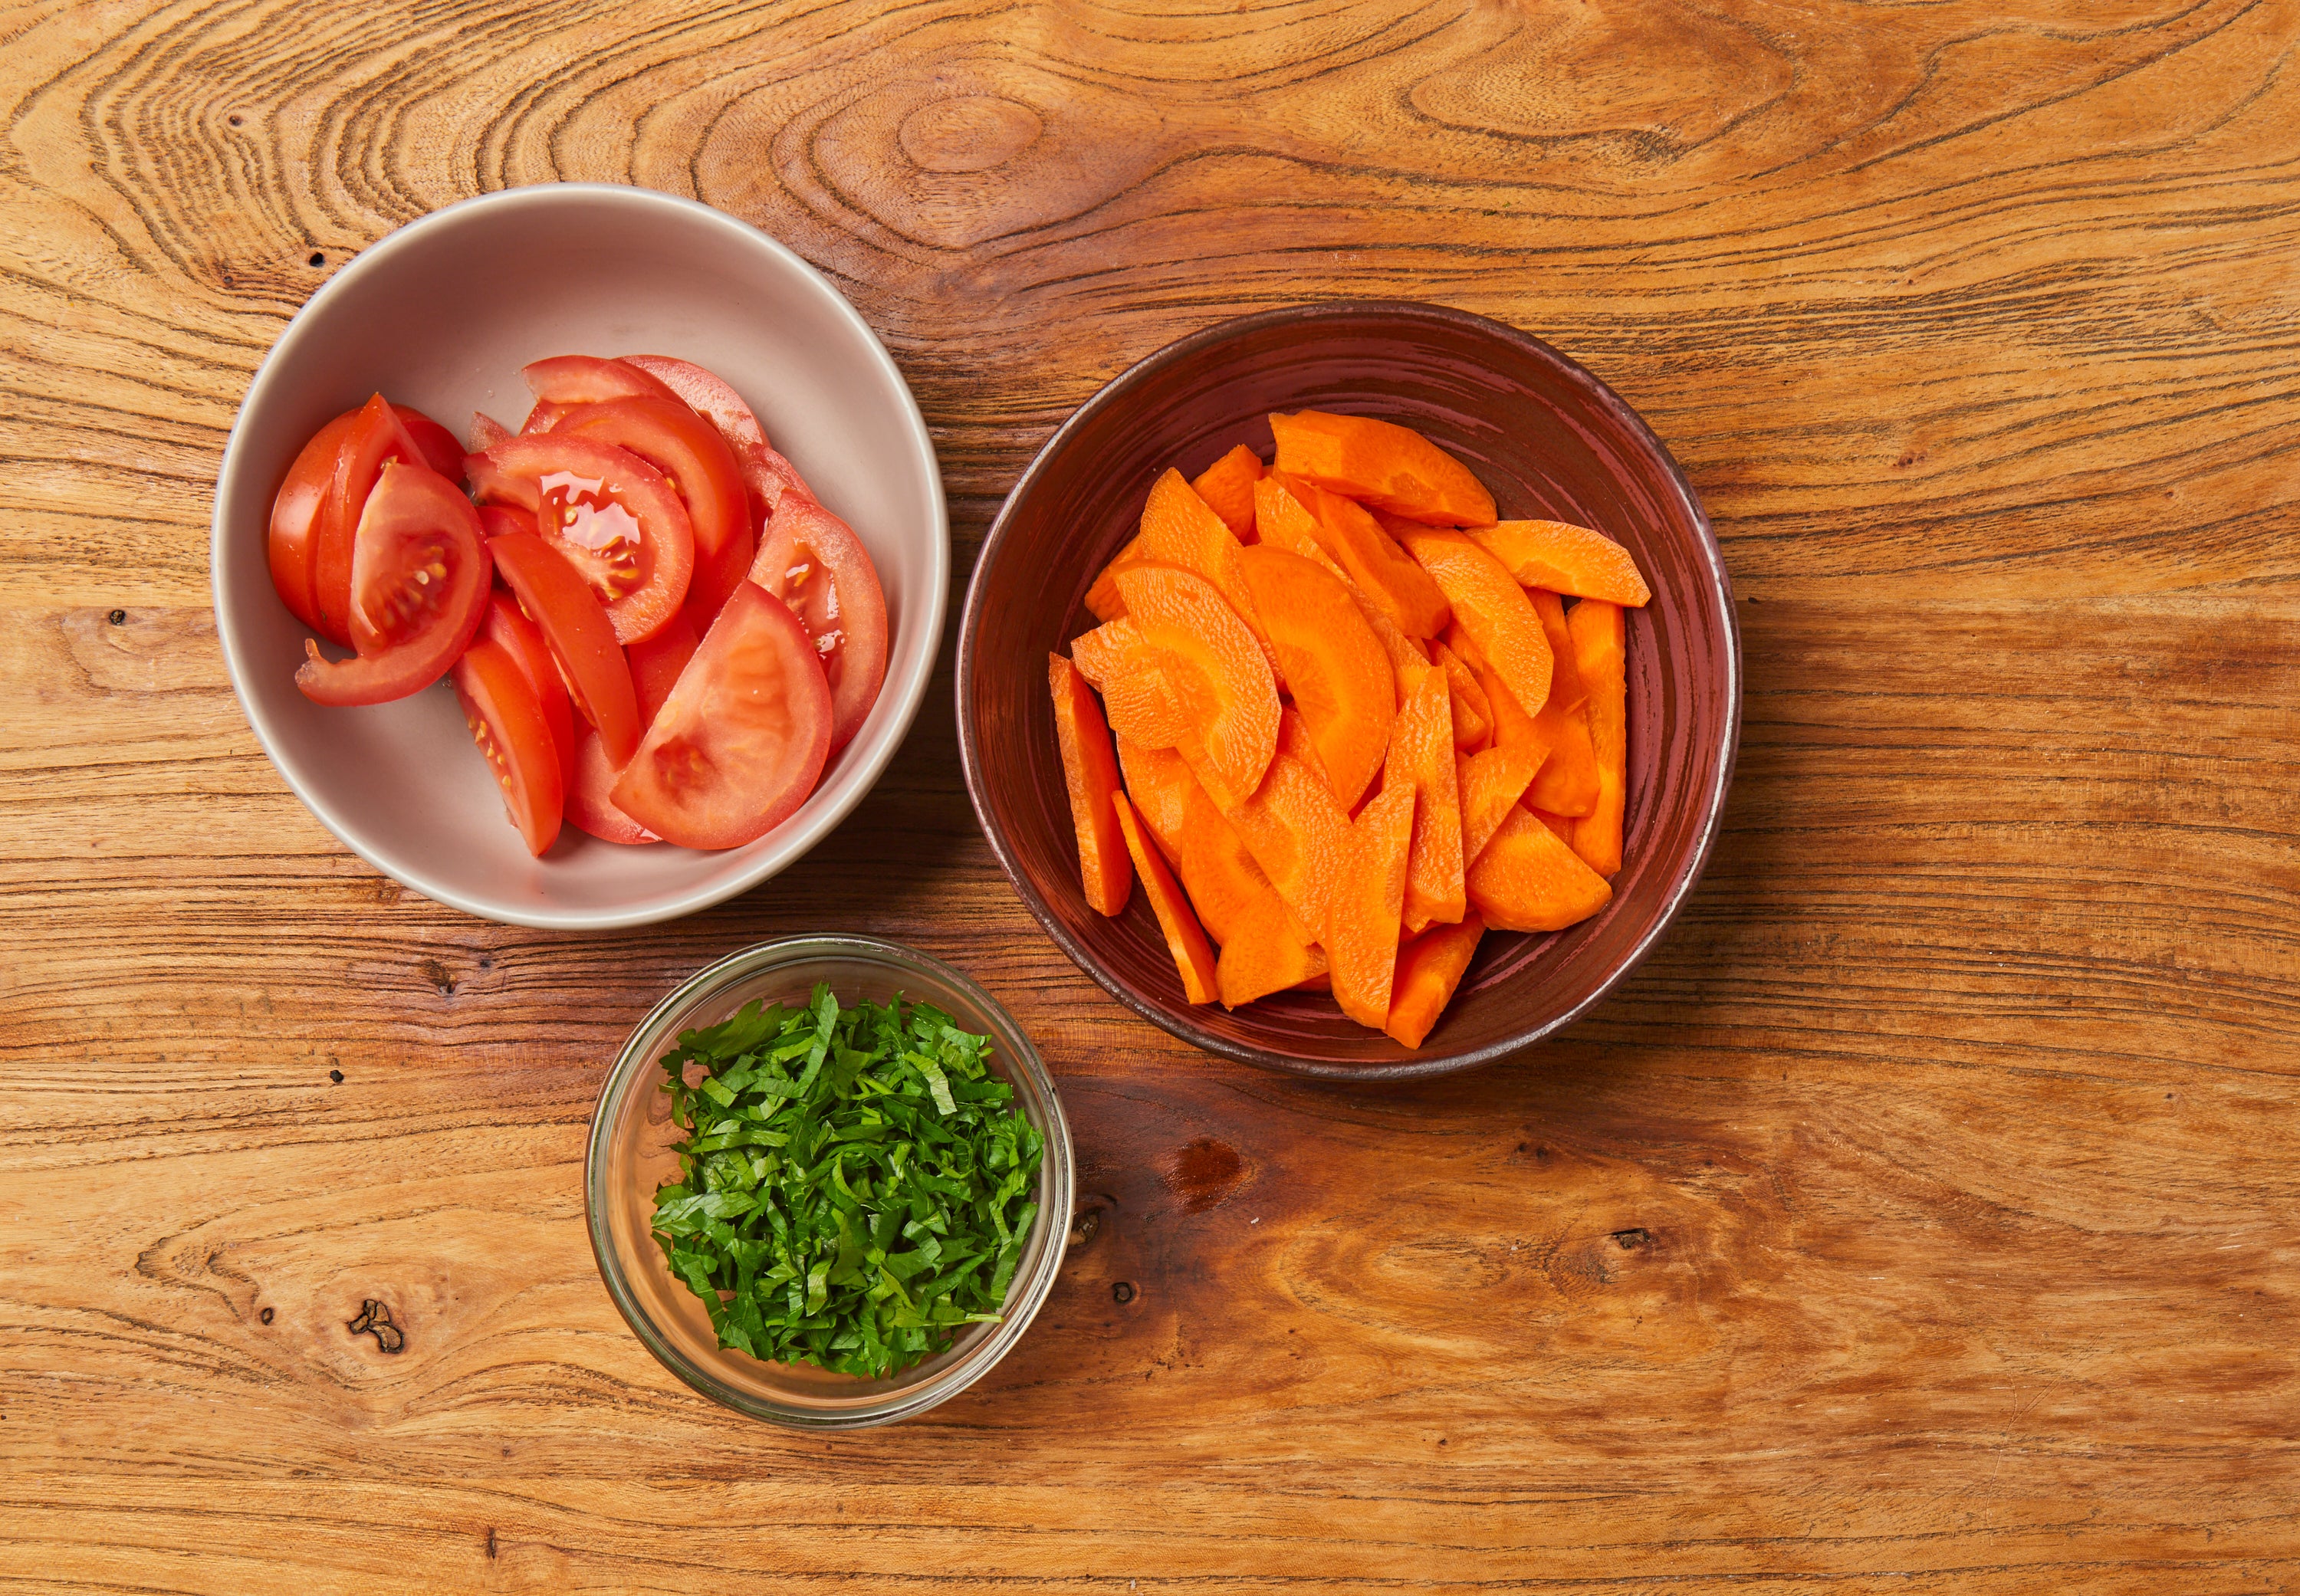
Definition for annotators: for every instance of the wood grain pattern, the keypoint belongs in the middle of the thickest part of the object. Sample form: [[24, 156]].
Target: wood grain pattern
[[1922, 1218]]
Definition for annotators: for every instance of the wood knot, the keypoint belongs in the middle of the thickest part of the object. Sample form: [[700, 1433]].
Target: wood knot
[[1204, 1173], [1086, 1223], [437, 974], [968, 133], [1629, 1240], [375, 1319], [1122, 1293]]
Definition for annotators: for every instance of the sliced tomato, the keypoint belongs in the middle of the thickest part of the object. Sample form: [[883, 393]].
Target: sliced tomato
[[708, 394], [589, 379], [437, 445], [508, 725], [486, 432], [588, 805], [376, 437], [742, 738], [580, 636], [507, 626], [608, 513], [813, 562], [655, 664], [496, 519], [701, 468], [295, 513], [544, 416], [419, 590]]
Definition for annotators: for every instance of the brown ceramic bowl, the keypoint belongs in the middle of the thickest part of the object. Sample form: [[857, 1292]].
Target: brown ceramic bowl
[[1550, 441]]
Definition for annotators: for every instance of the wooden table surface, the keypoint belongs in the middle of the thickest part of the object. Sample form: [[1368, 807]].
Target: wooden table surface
[[1923, 1217]]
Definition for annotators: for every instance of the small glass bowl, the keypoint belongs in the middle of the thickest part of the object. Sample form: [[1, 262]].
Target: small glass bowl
[[629, 1156]]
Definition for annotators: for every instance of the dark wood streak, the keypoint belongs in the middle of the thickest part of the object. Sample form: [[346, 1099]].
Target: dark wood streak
[[1951, 1133]]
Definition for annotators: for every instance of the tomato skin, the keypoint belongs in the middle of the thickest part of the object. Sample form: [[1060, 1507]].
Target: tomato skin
[[580, 636], [655, 664], [295, 512], [589, 379], [545, 416], [643, 585], [437, 445], [507, 626], [701, 468], [708, 394], [742, 738], [509, 727], [376, 438], [415, 519], [496, 519], [589, 806], [813, 562], [486, 432]]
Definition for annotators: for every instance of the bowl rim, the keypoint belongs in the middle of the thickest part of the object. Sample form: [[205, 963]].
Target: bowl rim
[[934, 602], [1719, 592], [1025, 1297]]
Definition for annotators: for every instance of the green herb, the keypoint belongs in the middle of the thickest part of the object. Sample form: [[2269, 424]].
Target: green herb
[[853, 1186]]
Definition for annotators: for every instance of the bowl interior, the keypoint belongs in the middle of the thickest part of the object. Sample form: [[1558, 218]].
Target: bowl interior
[[630, 1156], [1551, 442], [442, 315]]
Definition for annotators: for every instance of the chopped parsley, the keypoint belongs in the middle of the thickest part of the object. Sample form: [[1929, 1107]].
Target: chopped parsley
[[855, 1188]]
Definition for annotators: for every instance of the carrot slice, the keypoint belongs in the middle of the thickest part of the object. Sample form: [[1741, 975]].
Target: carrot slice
[[1225, 886], [1142, 707], [1214, 664], [1490, 784], [1361, 941], [1386, 465], [1180, 528], [1595, 628], [1110, 651], [1525, 879], [1101, 600], [1473, 709], [1158, 784], [1566, 559], [1421, 753], [1565, 674], [1194, 960], [1090, 772], [1227, 486], [1332, 661], [1430, 969], [1568, 783], [1357, 542], [1491, 607], [1561, 826], [1295, 829], [1265, 953]]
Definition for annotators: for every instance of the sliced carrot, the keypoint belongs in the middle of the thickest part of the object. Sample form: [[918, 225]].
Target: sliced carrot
[[1421, 753], [1186, 939], [1386, 465], [1568, 783], [1565, 675], [1218, 870], [1101, 600], [1282, 522], [1228, 487], [1566, 559], [1561, 826], [1295, 831], [1595, 628], [1362, 939], [1109, 652], [1320, 982], [1090, 772], [1473, 709], [1381, 570], [1332, 662], [1490, 607], [1513, 726], [1430, 969], [1490, 784], [1525, 879], [1180, 528], [1214, 664], [1142, 707], [1265, 953], [1159, 785]]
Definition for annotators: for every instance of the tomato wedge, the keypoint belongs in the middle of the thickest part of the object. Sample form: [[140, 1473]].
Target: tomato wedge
[[419, 587], [376, 438], [508, 726], [813, 562], [742, 738], [590, 378], [708, 394], [580, 636], [701, 468], [655, 664], [507, 626], [437, 445], [296, 514], [611, 515], [588, 805], [486, 432], [543, 418]]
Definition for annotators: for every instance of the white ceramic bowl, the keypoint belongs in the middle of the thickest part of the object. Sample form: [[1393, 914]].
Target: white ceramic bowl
[[441, 315]]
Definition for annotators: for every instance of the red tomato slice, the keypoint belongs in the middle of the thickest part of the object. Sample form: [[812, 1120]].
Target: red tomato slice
[[376, 437], [589, 807], [582, 638], [742, 738], [507, 626], [708, 394], [695, 461], [813, 562], [496, 519], [590, 379], [296, 514], [437, 445], [609, 514], [508, 726], [656, 662], [543, 418], [419, 587], [486, 432]]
